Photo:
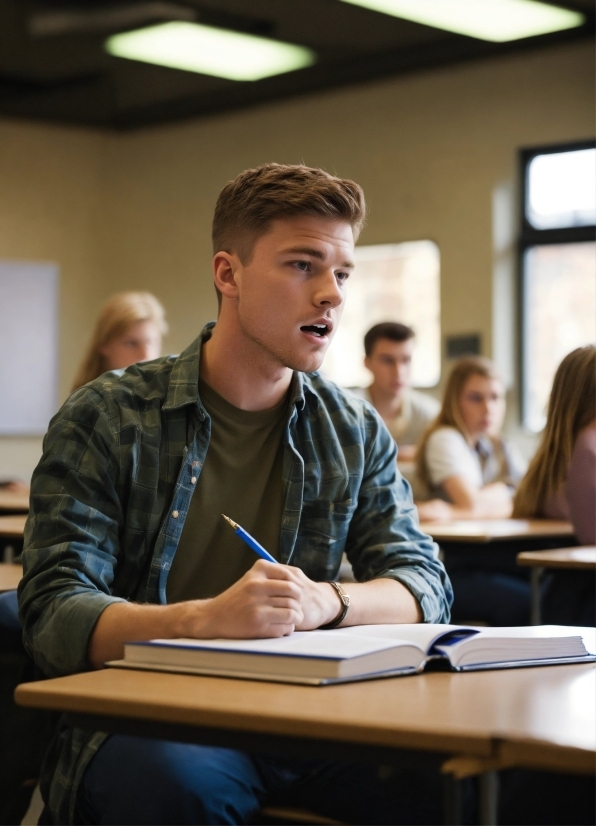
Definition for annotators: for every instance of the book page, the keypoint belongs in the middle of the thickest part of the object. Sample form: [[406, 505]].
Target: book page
[[423, 635], [528, 643], [324, 644]]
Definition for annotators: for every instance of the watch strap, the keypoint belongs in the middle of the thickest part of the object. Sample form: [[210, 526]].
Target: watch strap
[[345, 604]]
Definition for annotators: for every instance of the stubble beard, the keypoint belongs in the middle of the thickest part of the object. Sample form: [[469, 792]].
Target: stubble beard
[[284, 355]]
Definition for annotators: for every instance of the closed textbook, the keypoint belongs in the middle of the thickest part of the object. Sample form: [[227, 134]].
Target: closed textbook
[[364, 652]]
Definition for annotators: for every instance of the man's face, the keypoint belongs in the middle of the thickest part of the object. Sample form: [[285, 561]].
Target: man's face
[[391, 365], [291, 294]]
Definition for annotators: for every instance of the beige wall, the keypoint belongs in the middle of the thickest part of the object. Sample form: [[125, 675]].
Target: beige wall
[[49, 194], [435, 153]]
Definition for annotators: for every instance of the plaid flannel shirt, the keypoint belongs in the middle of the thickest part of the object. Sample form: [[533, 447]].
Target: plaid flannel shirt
[[111, 492]]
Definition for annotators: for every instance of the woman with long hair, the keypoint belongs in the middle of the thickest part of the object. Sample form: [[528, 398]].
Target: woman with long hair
[[129, 329], [464, 468], [561, 480]]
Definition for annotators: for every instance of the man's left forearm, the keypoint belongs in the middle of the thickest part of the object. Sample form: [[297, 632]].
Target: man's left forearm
[[378, 601], [381, 601]]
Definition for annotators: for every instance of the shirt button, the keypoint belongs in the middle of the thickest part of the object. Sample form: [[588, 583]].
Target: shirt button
[[193, 479], [175, 514]]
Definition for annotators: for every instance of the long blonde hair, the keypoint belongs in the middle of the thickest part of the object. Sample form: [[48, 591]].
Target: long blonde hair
[[120, 312], [571, 407], [450, 413]]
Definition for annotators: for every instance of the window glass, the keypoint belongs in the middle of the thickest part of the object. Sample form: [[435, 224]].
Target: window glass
[[562, 189], [559, 315], [391, 282]]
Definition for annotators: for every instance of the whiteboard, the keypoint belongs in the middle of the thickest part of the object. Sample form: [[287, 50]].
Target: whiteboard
[[28, 347]]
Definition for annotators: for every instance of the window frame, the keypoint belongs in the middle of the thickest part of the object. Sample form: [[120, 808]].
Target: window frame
[[530, 237]]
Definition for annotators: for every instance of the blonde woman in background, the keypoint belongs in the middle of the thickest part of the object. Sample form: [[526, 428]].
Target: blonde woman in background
[[466, 470], [129, 329], [561, 480]]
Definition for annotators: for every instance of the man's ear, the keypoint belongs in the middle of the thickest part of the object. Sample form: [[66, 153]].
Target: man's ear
[[225, 268]]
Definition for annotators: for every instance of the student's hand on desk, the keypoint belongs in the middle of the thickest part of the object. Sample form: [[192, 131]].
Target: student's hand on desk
[[271, 601], [265, 602], [406, 453], [435, 510]]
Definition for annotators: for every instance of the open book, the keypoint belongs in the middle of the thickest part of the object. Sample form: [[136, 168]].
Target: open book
[[364, 652]]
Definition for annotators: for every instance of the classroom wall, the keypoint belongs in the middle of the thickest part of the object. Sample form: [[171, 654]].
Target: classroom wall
[[435, 153], [49, 196]]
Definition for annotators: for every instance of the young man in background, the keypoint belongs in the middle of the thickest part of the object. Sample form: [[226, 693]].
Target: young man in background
[[125, 540], [388, 351]]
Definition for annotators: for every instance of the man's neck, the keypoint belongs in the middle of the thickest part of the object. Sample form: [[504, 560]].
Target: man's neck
[[238, 370], [387, 406]]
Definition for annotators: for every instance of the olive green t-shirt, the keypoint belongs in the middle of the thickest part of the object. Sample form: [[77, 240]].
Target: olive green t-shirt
[[241, 477]]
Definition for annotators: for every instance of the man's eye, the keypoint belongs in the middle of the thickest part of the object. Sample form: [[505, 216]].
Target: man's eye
[[303, 266], [342, 276]]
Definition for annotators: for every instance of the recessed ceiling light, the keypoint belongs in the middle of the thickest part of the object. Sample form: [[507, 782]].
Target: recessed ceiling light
[[496, 20], [207, 50]]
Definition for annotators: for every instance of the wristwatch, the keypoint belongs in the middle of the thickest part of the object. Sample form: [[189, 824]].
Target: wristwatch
[[345, 604]]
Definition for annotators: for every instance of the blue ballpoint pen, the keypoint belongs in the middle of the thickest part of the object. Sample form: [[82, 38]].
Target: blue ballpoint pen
[[250, 541]]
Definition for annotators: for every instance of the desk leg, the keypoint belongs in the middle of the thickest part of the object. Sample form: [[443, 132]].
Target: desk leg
[[535, 578], [8, 554], [489, 798], [452, 801]]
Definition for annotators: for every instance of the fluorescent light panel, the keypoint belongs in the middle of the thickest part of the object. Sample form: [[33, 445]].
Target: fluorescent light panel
[[207, 50], [495, 20]]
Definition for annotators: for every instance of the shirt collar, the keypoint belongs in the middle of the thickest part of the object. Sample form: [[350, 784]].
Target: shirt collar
[[184, 380]]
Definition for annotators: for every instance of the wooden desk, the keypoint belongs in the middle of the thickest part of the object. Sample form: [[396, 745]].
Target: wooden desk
[[12, 502], [492, 530], [10, 576], [547, 715], [581, 558], [578, 559], [12, 527]]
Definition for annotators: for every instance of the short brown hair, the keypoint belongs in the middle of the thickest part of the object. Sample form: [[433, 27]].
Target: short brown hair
[[247, 205], [392, 330]]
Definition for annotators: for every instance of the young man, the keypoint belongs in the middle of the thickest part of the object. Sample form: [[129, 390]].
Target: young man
[[126, 540], [406, 412]]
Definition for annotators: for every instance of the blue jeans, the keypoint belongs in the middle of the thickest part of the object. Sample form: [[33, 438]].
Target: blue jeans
[[132, 780]]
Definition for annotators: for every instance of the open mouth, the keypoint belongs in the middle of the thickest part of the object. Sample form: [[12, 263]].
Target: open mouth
[[319, 330]]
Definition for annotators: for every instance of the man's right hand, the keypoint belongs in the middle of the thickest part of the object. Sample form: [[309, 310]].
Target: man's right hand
[[265, 602]]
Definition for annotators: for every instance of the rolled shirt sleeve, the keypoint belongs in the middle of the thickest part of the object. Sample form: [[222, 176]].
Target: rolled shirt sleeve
[[385, 539], [71, 536]]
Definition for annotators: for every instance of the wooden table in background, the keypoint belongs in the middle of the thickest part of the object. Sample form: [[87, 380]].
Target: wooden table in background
[[12, 527], [496, 530], [10, 576], [577, 559], [12, 502]]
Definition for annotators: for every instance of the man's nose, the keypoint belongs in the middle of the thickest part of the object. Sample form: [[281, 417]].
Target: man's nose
[[328, 292]]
